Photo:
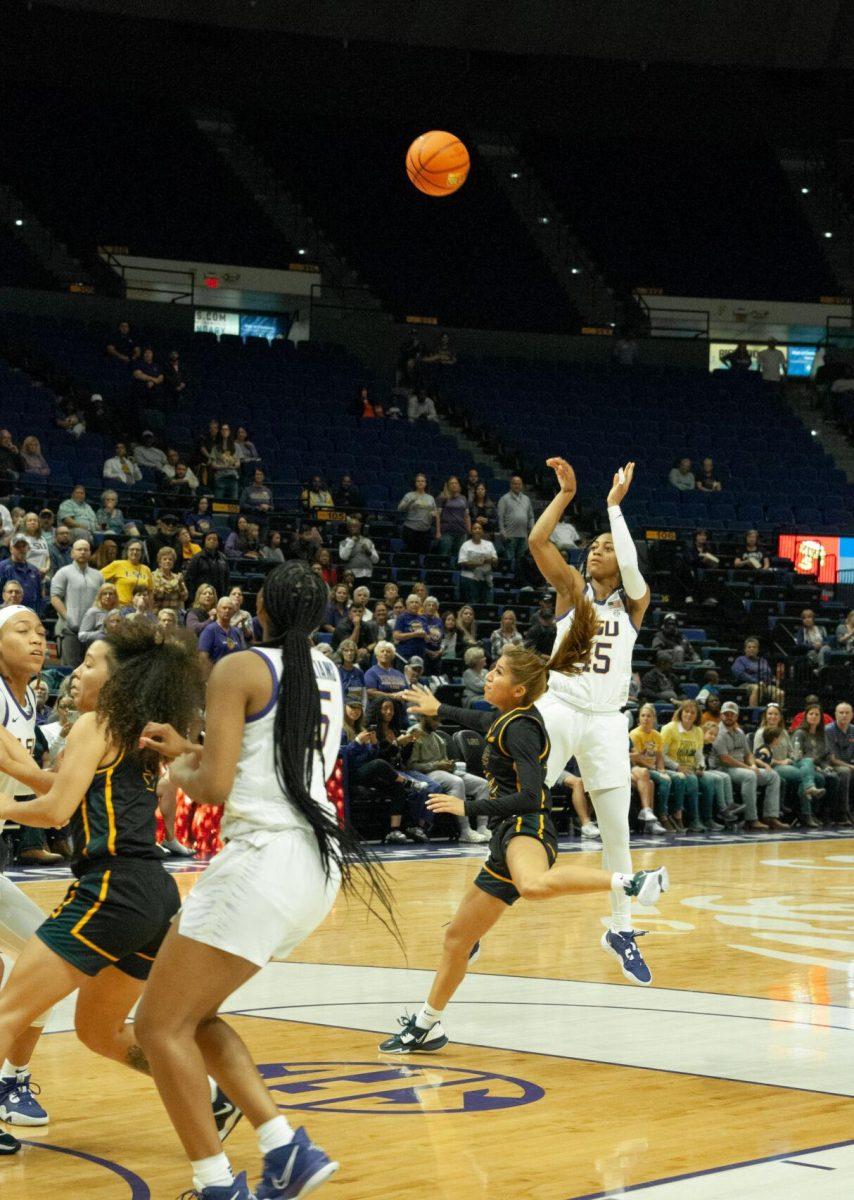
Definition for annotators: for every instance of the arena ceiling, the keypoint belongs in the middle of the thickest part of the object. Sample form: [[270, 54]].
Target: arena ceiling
[[766, 34]]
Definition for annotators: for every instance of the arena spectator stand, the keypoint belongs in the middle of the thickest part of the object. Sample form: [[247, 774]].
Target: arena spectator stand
[[467, 257], [688, 216], [166, 194]]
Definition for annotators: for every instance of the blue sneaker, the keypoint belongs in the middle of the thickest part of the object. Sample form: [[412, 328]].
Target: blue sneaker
[[18, 1104], [9, 1144], [624, 948], [294, 1170], [411, 1039], [238, 1189]]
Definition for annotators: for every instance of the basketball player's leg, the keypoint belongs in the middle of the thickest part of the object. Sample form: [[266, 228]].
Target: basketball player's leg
[[528, 861], [38, 980], [479, 909], [100, 1020], [612, 816], [475, 916], [183, 1041]]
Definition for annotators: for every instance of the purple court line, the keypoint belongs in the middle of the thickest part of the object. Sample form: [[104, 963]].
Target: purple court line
[[790, 1162], [750, 1162], [139, 1190], [254, 1014]]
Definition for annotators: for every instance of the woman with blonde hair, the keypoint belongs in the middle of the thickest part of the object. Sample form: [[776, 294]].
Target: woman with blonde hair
[[169, 589], [523, 849], [92, 624], [35, 462], [203, 609], [466, 626]]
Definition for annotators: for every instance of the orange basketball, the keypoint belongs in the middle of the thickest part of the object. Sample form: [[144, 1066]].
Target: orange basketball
[[437, 163]]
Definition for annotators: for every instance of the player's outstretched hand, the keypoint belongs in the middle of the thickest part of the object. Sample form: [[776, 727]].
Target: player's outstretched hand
[[565, 474], [164, 739], [421, 700], [622, 482], [439, 803]]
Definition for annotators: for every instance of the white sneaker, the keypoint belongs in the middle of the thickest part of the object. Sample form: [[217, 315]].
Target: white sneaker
[[590, 830], [474, 837]]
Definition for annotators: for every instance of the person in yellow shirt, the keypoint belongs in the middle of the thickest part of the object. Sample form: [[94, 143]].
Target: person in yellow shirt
[[128, 572], [682, 743], [189, 549], [647, 751]]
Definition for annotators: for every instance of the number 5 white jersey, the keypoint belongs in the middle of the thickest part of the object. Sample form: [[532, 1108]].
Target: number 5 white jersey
[[257, 802], [21, 723], [603, 686]]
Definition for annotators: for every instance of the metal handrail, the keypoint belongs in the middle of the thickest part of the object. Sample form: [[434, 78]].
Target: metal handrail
[[122, 268]]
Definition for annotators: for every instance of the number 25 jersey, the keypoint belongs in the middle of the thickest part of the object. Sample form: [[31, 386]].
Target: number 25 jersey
[[603, 686]]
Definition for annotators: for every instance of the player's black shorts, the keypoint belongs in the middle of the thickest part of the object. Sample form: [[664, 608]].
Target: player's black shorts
[[116, 915], [494, 876]]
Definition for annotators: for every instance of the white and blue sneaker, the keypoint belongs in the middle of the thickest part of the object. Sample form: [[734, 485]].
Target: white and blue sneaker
[[18, 1104], [238, 1189], [294, 1170], [624, 948], [647, 886]]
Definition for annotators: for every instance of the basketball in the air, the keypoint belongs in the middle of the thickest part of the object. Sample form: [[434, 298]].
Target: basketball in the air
[[437, 163]]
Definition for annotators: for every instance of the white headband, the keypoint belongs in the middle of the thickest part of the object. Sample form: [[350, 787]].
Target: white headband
[[12, 610]]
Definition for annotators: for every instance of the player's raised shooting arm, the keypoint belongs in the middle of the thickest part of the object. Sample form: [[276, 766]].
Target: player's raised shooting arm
[[634, 584], [86, 746], [566, 580]]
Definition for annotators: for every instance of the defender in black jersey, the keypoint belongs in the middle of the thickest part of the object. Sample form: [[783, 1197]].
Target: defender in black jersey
[[102, 939], [118, 910], [523, 849]]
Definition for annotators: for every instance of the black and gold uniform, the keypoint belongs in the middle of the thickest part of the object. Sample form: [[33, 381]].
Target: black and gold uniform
[[117, 911], [519, 803]]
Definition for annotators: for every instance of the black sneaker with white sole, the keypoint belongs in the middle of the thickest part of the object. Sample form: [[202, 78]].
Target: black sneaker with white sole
[[226, 1114], [412, 1040], [9, 1144]]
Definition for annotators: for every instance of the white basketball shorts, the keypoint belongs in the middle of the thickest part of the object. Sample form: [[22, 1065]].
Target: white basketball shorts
[[259, 901], [599, 742]]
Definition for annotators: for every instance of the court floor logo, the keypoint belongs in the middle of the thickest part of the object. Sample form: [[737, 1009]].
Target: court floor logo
[[393, 1090]]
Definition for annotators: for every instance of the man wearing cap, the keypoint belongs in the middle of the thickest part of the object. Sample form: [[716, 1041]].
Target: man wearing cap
[[429, 755], [146, 454], [120, 468], [359, 629], [16, 567], [731, 753], [72, 591], [165, 535], [542, 629]]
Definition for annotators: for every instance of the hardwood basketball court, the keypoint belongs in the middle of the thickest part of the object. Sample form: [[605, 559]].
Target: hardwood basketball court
[[730, 1076]]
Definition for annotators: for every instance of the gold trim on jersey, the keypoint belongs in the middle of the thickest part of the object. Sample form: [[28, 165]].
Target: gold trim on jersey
[[111, 812], [495, 875], [69, 898], [75, 932]]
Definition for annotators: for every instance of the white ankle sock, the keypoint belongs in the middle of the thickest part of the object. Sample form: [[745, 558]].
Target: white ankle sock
[[9, 1071], [273, 1134], [428, 1017], [212, 1172]]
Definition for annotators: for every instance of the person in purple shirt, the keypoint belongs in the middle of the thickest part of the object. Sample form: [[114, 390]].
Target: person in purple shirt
[[454, 519], [220, 637], [17, 568], [755, 676], [410, 630]]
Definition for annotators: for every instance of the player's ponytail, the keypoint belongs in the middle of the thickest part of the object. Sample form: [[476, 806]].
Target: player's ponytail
[[573, 653], [295, 599]]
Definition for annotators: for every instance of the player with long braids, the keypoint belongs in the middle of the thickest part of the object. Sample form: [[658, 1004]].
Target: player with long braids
[[583, 713], [273, 728]]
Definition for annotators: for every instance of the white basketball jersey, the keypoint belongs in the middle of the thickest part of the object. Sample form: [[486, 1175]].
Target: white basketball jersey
[[257, 802], [603, 686], [21, 723]]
